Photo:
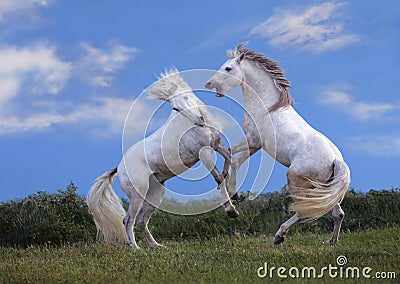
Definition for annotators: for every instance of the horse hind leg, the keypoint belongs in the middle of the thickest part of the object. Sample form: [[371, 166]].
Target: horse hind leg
[[338, 216], [153, 200], [130, 219], [296, 183], [280, 234], [135, 187], [135, 194], [142, 223]]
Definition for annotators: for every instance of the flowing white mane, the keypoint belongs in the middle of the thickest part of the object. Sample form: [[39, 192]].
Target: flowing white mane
[[169, 83]]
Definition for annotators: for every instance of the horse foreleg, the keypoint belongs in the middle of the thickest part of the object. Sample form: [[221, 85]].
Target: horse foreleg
[[242, 145], [235, 165], [227, 155], [208, 162], [338, 216], [247, 147]]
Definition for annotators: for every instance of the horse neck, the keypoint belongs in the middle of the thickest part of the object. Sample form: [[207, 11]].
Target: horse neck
[[208, 116], [258, 85], [176, 120]]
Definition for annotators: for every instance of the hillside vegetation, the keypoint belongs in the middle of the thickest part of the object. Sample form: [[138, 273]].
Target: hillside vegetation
[[63, 218], [216, 260]]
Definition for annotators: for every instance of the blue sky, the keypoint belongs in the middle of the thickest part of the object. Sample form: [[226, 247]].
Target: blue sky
[[69, 71]]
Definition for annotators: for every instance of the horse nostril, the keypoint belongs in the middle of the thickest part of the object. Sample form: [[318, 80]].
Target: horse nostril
[[208, 84]]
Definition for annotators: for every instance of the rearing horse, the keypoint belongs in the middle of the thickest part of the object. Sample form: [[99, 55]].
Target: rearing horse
[[190, 134], [318, 177]]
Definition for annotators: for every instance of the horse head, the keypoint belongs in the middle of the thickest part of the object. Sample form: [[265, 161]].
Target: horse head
[[230, 74]]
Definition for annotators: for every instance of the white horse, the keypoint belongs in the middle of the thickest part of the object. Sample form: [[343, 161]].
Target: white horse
[[190, 134], [318, 177]]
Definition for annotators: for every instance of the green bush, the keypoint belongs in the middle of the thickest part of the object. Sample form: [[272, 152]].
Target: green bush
[[264, 215], [43, 218], [63, 217]]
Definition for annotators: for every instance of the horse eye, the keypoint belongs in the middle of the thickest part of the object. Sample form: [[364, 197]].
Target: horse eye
[[186, 97], [228, 69]]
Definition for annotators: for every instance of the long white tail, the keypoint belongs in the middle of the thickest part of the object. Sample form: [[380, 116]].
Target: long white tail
[[106, 208], [318, 201]]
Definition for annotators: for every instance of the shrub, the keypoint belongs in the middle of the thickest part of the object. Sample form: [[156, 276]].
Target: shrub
[[46, 219], [264, 215], [63, 217]]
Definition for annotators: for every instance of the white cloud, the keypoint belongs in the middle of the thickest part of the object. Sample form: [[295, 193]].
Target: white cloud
[[384, 145], [35, 67], [361, 110], [31, 73], [104, 116], [17, 6], [316, 29], [8, 89], [375, 143], [98, 66], [101, 117], [36, 122]]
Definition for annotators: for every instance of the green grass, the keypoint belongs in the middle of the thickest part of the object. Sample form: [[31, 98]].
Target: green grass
[[218, 260]]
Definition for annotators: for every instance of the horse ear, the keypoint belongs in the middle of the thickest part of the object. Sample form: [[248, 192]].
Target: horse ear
[[241, 56], [239, 51], [240, 46]]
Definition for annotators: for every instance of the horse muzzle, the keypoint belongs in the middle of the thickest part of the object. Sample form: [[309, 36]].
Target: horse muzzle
[[211, 85]]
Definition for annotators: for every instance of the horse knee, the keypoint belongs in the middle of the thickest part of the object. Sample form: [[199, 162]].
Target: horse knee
[[338, 213], [339, 217]]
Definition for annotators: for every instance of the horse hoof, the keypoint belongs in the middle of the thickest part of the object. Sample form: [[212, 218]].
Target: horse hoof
[[278, 240], [330, 242], [233, 213]]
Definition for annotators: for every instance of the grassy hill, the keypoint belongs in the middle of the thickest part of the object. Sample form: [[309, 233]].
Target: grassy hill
[[217, 260], [51, 238]]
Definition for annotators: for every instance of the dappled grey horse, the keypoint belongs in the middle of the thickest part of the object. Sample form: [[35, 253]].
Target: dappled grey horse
[[318, 177], [190, 134]]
